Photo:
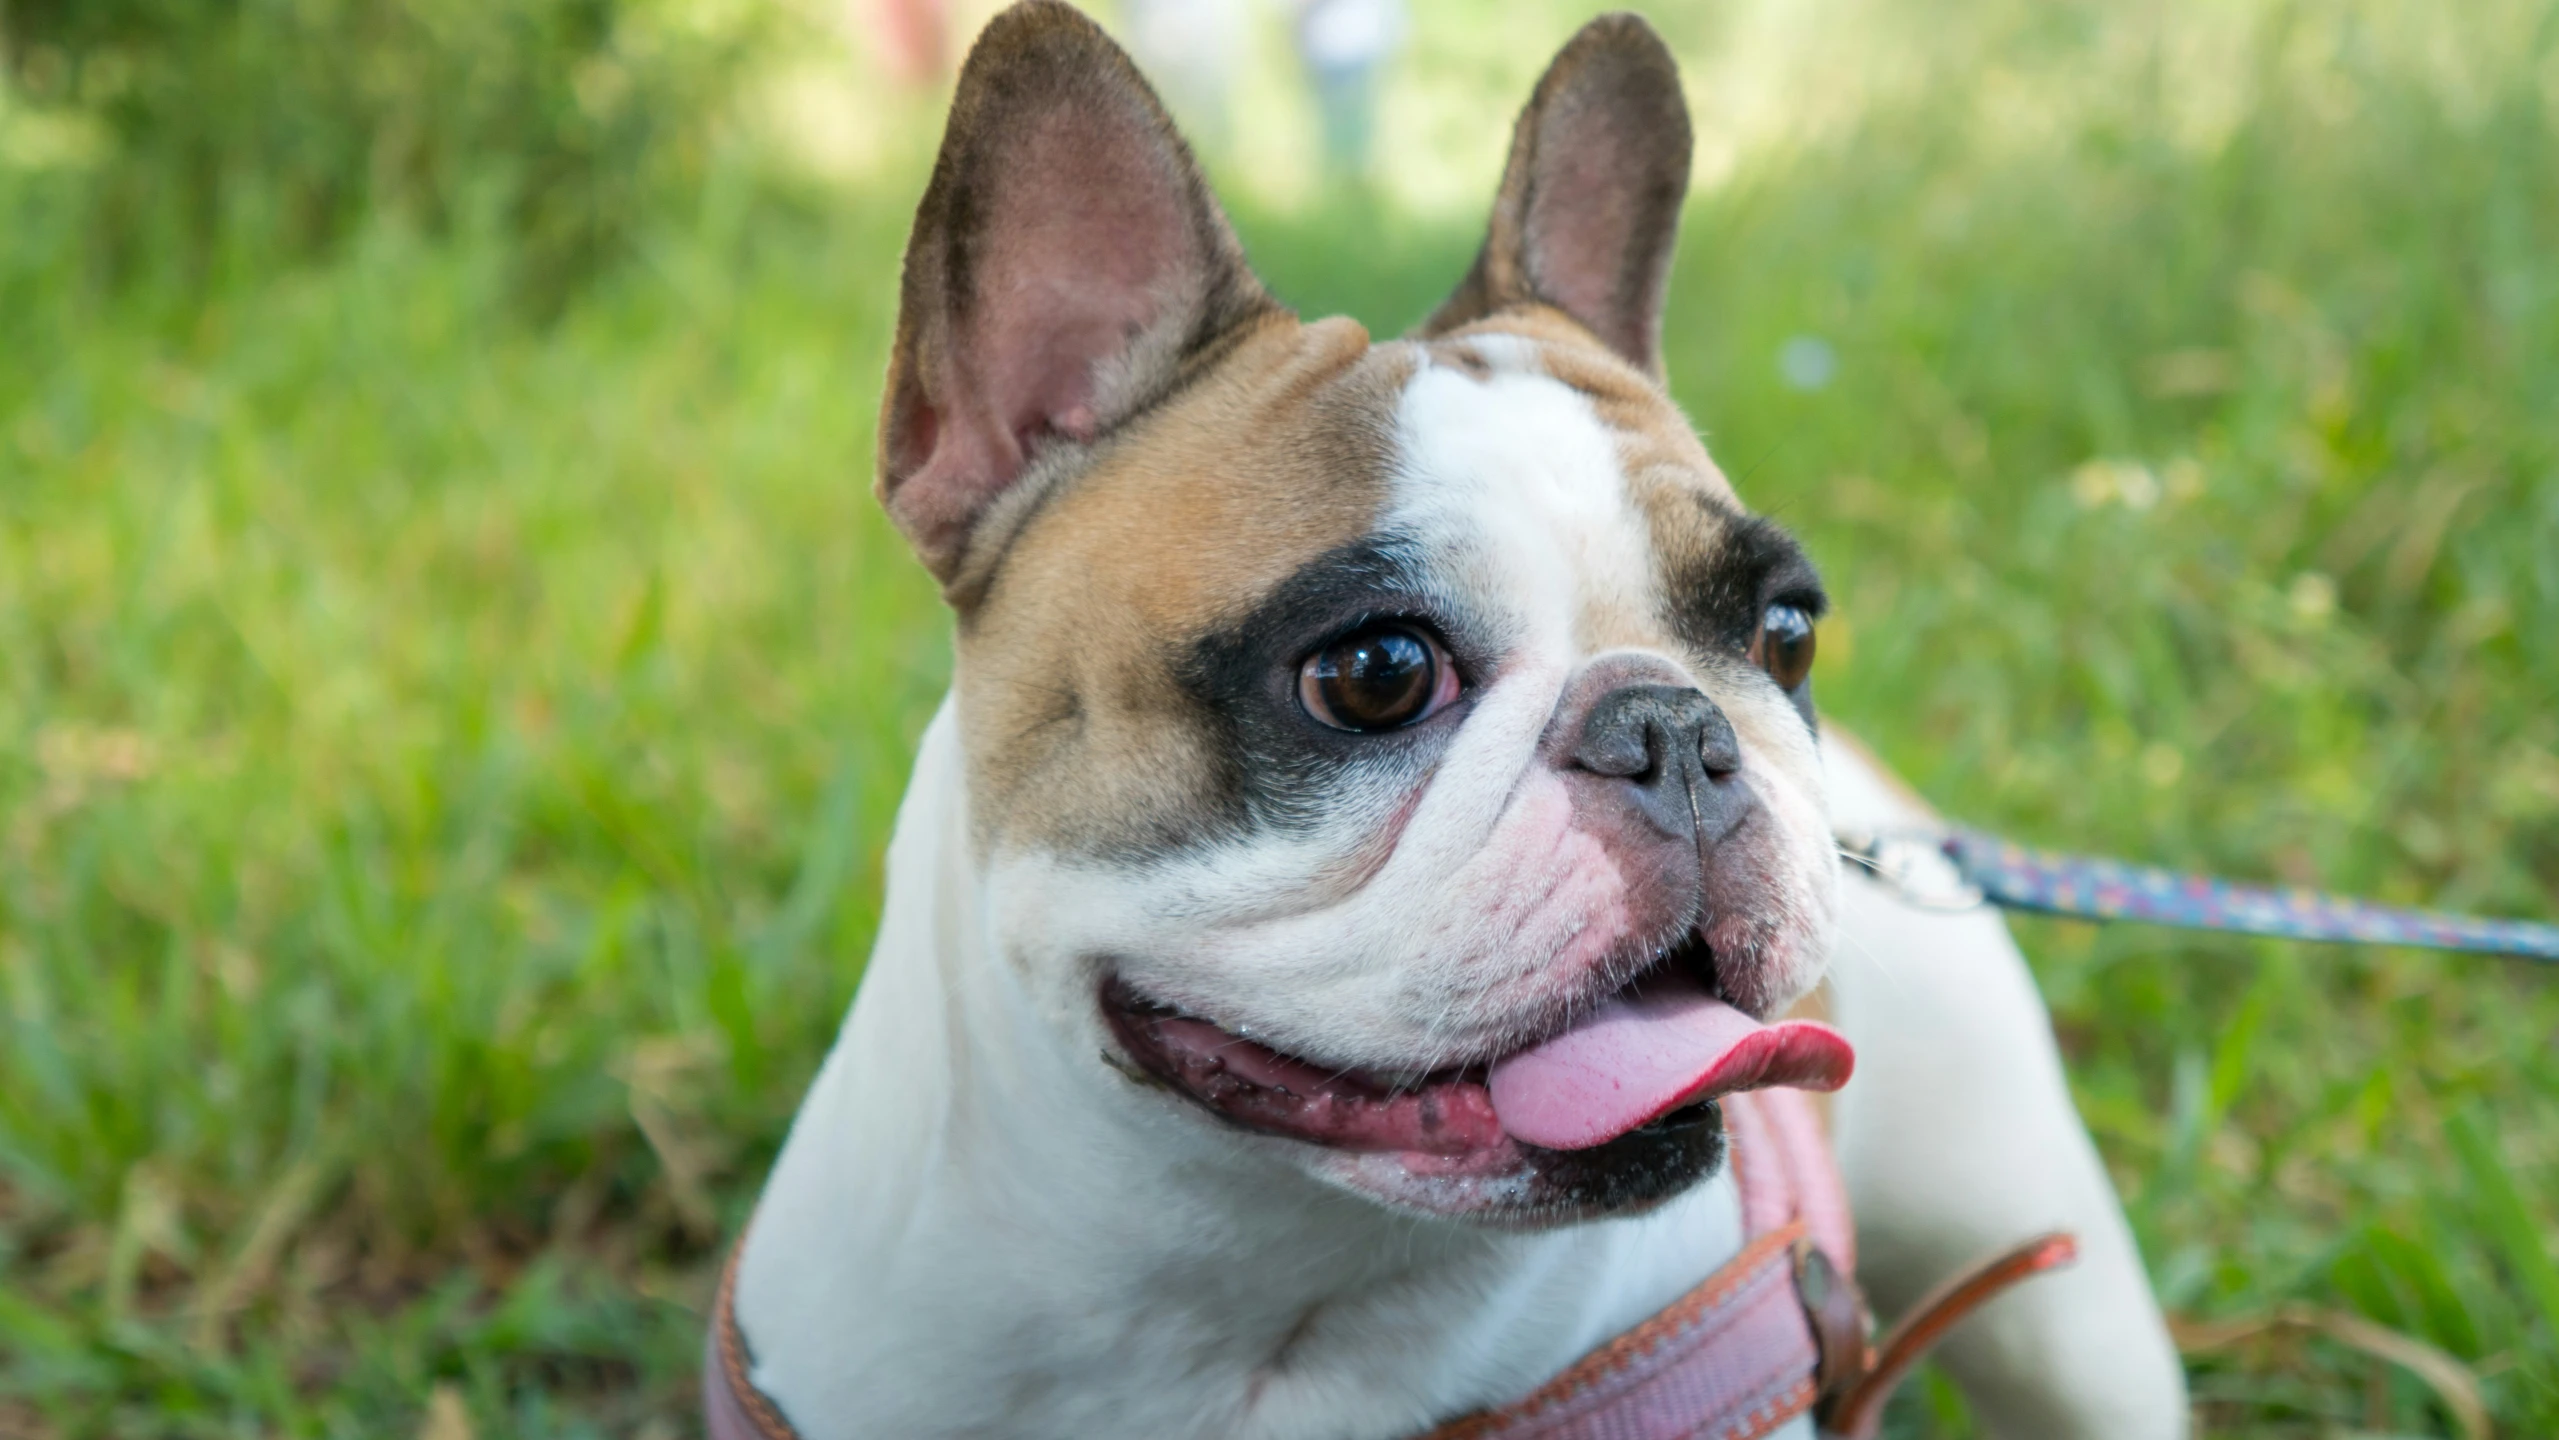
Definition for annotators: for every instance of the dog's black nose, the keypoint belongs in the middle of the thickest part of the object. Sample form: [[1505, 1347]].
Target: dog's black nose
[[1678, 751]]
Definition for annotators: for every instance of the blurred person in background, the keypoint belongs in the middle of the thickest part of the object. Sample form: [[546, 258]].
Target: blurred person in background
[[1345, 46], [1193, 49]]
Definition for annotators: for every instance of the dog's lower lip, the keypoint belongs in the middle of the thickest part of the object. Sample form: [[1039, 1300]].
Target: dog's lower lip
[[1446, 1116]]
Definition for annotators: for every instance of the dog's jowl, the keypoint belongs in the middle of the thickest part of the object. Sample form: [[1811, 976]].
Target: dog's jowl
[[1345, 932]]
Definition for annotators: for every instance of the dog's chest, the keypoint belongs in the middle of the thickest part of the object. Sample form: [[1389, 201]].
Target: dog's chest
[[1282, 1340]]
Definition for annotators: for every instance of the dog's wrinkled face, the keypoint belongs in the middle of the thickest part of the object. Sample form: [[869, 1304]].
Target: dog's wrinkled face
[[1361, 737]]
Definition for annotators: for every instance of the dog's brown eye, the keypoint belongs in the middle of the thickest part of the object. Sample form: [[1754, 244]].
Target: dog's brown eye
[[1784, 645], [1379, 678]]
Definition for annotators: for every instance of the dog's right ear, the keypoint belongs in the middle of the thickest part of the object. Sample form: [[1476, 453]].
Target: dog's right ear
[[1067, 260]]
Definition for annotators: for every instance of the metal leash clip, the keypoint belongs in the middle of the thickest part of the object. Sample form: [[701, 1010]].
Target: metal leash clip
[[1916, 864]]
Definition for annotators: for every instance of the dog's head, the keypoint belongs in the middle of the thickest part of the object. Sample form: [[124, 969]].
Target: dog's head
[[1395, 757]]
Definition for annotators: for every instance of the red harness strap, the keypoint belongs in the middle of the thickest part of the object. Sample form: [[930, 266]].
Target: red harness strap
[[1779, 1330]]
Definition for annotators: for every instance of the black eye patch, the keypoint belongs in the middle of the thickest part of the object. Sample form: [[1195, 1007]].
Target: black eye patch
[[1284, 767], [1719, 588], [1717, 591]]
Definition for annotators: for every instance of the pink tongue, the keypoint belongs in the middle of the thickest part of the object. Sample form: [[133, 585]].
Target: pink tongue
[[1637, 1059]]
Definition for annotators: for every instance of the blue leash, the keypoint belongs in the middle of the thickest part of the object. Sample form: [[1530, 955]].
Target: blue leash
[[1959, 869]]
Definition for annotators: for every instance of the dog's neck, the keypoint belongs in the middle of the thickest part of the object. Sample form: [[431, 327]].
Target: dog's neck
[[970, 1231]]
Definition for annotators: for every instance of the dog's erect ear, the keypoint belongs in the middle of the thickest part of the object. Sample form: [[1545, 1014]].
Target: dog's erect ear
[[1589, 207], [1067, 259]]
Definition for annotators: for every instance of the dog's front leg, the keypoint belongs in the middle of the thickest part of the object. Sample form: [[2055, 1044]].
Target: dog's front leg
[[1958, 1138]]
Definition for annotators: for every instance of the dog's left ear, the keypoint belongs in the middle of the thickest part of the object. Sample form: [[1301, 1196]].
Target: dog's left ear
[[1588, 212]]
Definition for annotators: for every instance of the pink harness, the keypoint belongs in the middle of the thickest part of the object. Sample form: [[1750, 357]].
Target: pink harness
[[1779, 1330]]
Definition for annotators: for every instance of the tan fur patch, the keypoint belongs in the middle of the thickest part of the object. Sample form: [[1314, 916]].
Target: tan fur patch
[[1078, 730]]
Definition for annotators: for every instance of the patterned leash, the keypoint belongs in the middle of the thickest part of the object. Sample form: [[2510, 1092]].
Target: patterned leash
[[1959, 869]]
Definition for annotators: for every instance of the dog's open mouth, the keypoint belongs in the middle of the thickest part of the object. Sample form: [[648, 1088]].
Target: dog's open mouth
[[1665, 1045]]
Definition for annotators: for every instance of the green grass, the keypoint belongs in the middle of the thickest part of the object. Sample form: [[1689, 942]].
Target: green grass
[[445, 767], [444, 761]]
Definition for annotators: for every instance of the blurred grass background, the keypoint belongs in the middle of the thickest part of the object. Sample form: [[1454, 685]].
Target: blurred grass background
[[454, 683]]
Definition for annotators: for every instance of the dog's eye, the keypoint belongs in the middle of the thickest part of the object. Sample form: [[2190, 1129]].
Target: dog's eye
[[1378, 678], [1784, 645]]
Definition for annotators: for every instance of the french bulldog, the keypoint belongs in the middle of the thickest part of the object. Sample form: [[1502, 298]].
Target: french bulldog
[[1378, 815]]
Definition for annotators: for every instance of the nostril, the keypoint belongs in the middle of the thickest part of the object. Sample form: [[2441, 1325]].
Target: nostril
[[1623, 752], [1722, 756], [1718, 748]]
